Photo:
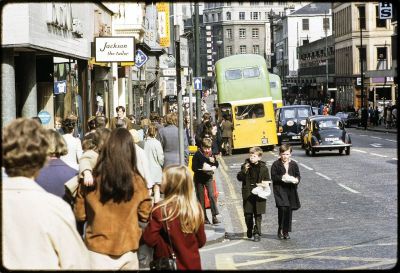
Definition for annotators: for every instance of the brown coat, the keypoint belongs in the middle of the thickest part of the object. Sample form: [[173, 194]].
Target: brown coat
[[113, 228], [226, 128]]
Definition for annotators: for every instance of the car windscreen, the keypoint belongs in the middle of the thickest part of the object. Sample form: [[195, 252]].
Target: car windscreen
[[328, 124], [296, 113]]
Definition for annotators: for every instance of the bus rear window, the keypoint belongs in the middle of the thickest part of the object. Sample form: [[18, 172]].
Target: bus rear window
[[249, 111], [233, 74], [272, 84], [252, 72]]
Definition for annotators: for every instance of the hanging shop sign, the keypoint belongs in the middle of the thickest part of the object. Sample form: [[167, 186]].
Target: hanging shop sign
[[60, 87], [115, 49], [163, 23]]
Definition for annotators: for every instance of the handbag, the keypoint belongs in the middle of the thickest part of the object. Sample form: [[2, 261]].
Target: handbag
[[165, 263]]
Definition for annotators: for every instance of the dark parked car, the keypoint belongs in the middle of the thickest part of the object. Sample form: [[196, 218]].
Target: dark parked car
[[349, 118], [290, 121], [325, 133]]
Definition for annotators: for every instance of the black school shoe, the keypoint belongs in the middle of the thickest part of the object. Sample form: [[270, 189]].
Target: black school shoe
[[249, 233], [286, 235]]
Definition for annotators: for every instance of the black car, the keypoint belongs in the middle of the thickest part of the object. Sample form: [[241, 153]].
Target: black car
[[290, 121], [325, 133], [349, 118]]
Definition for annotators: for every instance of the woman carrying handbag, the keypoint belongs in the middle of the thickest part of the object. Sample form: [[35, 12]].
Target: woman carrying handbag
[[176, 224]]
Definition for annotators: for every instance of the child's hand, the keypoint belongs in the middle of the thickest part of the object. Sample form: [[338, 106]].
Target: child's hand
[[87, 178], [247, 166], [212, 159]]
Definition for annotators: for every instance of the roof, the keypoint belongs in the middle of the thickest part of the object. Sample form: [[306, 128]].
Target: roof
[[313, 8], [322, 117]]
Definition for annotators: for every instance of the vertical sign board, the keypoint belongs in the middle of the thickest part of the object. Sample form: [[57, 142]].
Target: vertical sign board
[[115, 49], [163, 23], [184, 52], [385, 10]]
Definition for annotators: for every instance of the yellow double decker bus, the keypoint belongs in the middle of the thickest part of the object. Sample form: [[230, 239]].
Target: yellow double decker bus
[[243, 90]]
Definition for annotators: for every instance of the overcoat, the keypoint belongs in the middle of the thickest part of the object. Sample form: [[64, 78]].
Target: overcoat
[[285, 194], [169, 140], [255, 174]]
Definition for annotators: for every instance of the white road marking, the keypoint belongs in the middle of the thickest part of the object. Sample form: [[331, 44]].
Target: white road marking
[[360, 151], [376, 137], [390, 140], [362, 135], [308, 168], [378, 155], [347, 188], [394, 158], [324, 176], [376, 145]]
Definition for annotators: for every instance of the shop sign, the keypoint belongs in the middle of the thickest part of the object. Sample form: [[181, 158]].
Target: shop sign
[[60, 87], [163, 23], [171, 98], [115, 49]]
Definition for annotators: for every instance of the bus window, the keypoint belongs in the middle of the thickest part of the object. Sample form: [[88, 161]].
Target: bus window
[[251, 72], [249, 111], [233, 74], [272, 84]]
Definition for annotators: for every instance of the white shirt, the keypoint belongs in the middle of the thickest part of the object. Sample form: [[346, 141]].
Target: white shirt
[[74, 151]]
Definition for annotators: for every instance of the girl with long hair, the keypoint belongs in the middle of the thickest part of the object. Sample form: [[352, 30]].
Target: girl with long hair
[[185, 219], [114, 205]]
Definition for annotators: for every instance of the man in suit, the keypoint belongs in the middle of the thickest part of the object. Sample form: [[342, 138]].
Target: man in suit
[[227, 128]]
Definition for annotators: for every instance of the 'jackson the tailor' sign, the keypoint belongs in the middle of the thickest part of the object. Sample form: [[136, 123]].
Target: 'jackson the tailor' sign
[[115, 49]]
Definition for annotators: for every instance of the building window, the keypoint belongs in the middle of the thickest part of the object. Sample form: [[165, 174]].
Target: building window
[[254, 33], [381, 54], [243, 49], [228, 4], [255, 3], [256, 49], [325, 24], [306, 25], [228, 51], [242, 33], [242, 14], [361, 17], [379, 22], [206, 18], [219, 16], [228, 16], [240, 3], [229, 33], [213, 17], [255, 15]]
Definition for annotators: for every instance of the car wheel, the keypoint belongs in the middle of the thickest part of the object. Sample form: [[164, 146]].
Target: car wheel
[[341, 151], [313, 151], [348, 151]]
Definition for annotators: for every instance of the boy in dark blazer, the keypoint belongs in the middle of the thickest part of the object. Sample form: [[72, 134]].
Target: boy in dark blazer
[[253, 171]]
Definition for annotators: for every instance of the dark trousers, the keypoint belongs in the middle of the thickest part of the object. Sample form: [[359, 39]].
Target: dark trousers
[[210, 191], [228, 144], [285, 219], [248, 217]]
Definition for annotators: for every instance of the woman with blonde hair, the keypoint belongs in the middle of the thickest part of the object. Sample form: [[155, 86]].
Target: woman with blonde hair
[[183, 215]]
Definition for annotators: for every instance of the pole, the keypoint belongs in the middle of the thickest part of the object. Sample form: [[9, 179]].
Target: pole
[[326, 57], [129, 90], [179, 94], [189, 86], [361, 67], [197, 59]]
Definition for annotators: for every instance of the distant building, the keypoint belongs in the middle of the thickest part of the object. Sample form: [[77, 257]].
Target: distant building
[[312, 68], [353, 20], [300, 27]]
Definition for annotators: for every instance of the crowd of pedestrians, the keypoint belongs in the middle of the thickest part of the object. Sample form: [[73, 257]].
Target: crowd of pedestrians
[[92, 203]]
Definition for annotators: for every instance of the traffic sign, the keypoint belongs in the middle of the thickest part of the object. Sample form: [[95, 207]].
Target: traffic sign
[[140, 58], [44, 116], [198, 83]]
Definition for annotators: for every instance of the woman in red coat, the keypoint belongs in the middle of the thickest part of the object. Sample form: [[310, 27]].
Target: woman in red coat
[[185, 218]]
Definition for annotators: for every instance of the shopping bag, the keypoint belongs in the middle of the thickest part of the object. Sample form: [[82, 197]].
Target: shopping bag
[[216, 193]]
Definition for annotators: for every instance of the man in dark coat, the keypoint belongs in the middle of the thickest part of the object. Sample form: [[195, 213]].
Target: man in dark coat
[[253, 171], [285, 191]]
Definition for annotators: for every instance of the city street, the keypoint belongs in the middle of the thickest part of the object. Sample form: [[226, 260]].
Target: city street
[[348, 218]]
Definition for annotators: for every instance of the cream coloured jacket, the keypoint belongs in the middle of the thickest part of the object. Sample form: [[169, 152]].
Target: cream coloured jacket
[[38, 229]]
